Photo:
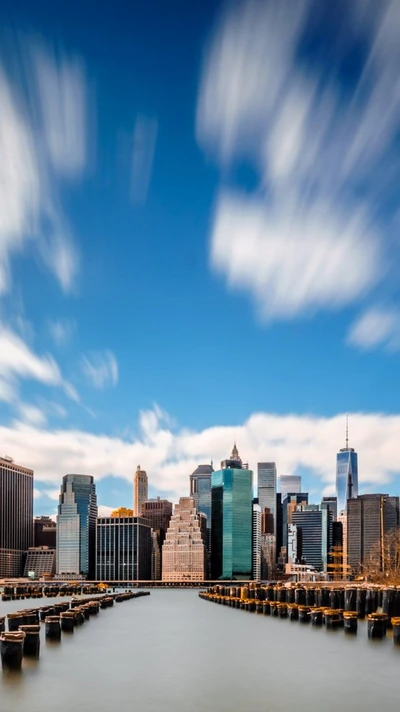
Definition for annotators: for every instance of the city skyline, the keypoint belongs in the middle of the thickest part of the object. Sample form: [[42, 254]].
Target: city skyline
[[136, 229]]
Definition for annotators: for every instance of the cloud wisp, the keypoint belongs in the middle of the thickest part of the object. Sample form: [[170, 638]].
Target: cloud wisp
[[169, 456], [101, 369], [144, 146], [321, 141], [42, 141]]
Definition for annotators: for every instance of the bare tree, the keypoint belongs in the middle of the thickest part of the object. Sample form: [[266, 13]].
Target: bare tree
[[383, 563]]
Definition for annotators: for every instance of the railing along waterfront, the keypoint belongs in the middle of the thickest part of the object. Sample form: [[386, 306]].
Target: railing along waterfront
[[333, 607]]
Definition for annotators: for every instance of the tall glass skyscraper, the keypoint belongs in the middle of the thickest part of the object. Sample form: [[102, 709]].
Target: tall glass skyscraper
[[231, 520], [266, 490], [76, 526], [346, 475], [200, 490]]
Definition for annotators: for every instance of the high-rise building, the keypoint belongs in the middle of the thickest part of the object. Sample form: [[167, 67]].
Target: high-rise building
[[44, 532], [140, 490], [342, 519], [346, 474], [331, 504], [76, 526], [200, 490], [266, 491], [124, 549], [369, 518], [16, 516], [289, 484], [289, 505], [184, 552], [268, 556], [308, 520], [256, 541], [155, 557], [158, 513], [292, 550], [231, 520]]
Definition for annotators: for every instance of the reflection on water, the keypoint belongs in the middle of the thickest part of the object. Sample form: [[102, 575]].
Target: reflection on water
[[172, 651]]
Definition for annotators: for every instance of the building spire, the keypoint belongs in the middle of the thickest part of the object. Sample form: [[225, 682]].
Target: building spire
[[347, 432]]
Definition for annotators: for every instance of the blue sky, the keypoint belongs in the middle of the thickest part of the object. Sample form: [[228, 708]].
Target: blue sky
[[198, 240]]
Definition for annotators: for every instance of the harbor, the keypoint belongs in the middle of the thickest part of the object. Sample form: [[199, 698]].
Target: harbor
[[170, 647]]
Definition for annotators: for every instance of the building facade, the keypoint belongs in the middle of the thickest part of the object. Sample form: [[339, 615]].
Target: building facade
[[184, 552], [158, 513], [231, 520], [40, 561], [200, 490], [124, 549], [289, 505], [289, 484], [140, 490], [369, 518], [266, 492], [44, 532], [308, 520], [76, 526], [256, 541], [346, 475], [16, 516]]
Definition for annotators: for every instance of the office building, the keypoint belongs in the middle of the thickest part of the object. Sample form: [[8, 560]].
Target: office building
[[331, 503], [326, 535], [124, 549], [44, 532], [342, 519], [346, 474], [369, 518], [266, 493], [292, 549], [256, 541], [158, 513], [16, 516], [140, 491], [268, 556], [184, 552], [279, 527], [76, 526], [231, 520], [155, 557], [308, 520], [289, 505], [289, 484], [200, 490], [40, 562]]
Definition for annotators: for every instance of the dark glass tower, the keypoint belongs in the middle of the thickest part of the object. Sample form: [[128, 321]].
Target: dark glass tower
[[346, 475], [76, 526], [200, 490], [16, 516], [231, 520]]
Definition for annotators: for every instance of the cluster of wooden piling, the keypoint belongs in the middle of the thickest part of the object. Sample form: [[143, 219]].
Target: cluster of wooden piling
[[22, 639], [20, 592], [332, 607]]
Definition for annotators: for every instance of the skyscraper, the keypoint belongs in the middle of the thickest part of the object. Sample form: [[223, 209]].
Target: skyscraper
[[346, 474], [45, 532], [231, 520], [158, 513], [289, 484], [200, 490], [184, 552], [369, 518], [256, 541], [266, 490], [16, 516], [308, 521], [140, 491], [76, 526], [124, 549], [289, 505]]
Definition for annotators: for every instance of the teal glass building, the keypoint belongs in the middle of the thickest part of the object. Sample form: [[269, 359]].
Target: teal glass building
[[76, 526], [231, 520]]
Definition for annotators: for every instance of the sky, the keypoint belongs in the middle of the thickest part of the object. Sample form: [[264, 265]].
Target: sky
[[199, 240]]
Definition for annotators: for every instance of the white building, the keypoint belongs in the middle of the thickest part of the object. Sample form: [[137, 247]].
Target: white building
[[184, 553], [256, 542]]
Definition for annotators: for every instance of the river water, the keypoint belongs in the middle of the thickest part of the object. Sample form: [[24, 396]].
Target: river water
[[174, 652]]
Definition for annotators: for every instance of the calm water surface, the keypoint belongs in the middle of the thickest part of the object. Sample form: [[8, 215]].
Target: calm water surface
[[174, 652]]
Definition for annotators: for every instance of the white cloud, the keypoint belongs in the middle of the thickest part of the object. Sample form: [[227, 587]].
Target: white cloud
[[63, 101], [31, 414], [61, 330], [291, 261], [36, 493], [324, 162], [376, 327], [293, 441], [19, 361], [101, 369], [42, 138], [105, 511], [144, 144]]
